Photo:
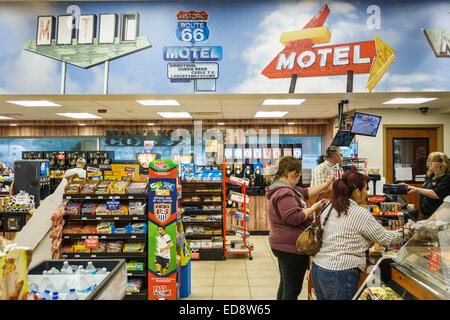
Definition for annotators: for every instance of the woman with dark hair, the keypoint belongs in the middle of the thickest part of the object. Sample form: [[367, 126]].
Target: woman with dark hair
[[348, 230], [289, 215]]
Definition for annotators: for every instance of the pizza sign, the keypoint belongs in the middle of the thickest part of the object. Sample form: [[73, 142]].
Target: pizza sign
[[162, 211]]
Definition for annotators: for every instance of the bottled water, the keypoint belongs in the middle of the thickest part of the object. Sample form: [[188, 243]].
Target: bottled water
[[102, 271], [87, 282], [46, 283], [54, 271], [90, 267], [46, 295], [64, 288], [72, 295], [33, 287], [55, 295], [66, 268]]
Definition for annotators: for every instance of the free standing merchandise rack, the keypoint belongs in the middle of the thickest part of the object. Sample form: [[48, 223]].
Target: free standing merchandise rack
[[88, 219], [242, 217]]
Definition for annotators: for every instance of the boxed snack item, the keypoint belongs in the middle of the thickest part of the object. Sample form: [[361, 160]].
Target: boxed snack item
[[88, 229], [135, 266], [123, 210], [101, 247], [195, 244], [68, 249], [105, 227], [120, 187], [89, 186], [73, 187], [73, 207], [101, 210], [121, 230], [89, 207], [104, 187], [390, 207], [134, 285], [80, 247], [137, 187], [71, 228], [140, 228], [134, 247], [114, 246], [137, 208]]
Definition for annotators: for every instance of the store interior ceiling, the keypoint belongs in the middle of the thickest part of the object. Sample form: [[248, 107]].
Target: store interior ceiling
[[230, 108]]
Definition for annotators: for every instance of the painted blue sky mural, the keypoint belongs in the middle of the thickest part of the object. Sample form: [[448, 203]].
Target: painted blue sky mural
[[248, 31]]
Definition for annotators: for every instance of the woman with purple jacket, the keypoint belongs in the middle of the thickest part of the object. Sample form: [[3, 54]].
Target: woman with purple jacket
[[289, 215]]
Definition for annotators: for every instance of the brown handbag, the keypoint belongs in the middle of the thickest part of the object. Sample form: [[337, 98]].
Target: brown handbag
[[310, 240]]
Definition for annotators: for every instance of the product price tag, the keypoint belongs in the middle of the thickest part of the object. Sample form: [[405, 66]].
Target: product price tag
[[195, 255], [113, 204], [434, 261]]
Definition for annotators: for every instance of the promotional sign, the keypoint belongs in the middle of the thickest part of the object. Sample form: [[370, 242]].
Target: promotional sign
[[299, 57], [192, 26], [193, 70], [162, 230]]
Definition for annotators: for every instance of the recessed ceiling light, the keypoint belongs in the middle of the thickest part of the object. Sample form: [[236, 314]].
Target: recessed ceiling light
[[80, 115], [82, 124], [150, 124], [6, 118], [13, 124], [179, 115], [158, 102], [282, 102], [408, 100], [221, 123], [291, 123], [35, 103], [270, 114]]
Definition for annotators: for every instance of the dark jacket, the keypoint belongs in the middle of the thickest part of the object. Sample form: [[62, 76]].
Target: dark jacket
[[441, 187], [285, 206]]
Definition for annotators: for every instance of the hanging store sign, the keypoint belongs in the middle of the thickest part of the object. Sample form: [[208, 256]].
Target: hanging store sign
[[439, 40], [139, 138], [193, 70], [300, 57], [202, 53]]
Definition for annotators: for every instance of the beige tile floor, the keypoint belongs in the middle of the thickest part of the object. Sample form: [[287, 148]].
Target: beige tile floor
[[238, 277]]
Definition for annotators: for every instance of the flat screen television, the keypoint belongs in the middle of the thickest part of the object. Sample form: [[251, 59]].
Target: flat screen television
[[343, 138], [365, 124]]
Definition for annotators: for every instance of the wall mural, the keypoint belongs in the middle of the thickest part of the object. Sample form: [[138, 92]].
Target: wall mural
[[241, 39]]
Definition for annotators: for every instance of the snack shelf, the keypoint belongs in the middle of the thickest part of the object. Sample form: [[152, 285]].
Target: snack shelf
[[207, 254], [141, 295], [137, 273], [140, 237], [203, 221], [197, 236], [136, 196], [201, 202], [204, 211], [105, 218], [202, 182]]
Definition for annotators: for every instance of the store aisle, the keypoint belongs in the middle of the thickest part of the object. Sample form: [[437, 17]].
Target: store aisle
[[237, 277]]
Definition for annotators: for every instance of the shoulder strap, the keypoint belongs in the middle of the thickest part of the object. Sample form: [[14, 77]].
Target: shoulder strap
[[326, 218]]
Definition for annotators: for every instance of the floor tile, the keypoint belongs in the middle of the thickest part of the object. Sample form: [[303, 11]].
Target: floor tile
[[225, 292]]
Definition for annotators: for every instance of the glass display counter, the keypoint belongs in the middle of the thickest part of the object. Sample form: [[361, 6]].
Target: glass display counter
[[421, 269]]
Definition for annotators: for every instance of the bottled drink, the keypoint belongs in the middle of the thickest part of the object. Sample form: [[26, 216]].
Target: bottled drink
[[54, 270], [46, 283], [55, 295], [102, 271], [46, 295], [66, 268], [90, 267], [87, 282], [64, 288], [72, 295]]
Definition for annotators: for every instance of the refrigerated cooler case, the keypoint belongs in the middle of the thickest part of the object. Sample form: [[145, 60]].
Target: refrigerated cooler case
[[421, 269], [33, 177], [111, 286]]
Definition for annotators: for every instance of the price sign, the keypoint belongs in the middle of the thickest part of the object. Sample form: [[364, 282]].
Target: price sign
[[91, 242], [434, 261], [113, 204]]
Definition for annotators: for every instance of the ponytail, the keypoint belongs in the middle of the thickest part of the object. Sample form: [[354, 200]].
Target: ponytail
[[343, 190]]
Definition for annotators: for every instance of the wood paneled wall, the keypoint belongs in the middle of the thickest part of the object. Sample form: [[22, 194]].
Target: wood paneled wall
[[307, 127]]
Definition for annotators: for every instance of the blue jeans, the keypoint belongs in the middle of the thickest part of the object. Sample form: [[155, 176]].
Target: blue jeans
[[334, 284]]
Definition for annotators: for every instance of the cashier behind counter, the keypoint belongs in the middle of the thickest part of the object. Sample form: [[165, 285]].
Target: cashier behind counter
[[436, 186]]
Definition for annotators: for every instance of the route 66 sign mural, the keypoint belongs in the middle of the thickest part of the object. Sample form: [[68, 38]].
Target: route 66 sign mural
[[192, 26]]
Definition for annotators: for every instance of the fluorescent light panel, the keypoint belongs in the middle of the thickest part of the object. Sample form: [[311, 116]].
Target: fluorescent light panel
[[270, 114], [179, 115], [282, 102], [158, 102], [5, 118], [408, 100], [35, 103], [81, 115]]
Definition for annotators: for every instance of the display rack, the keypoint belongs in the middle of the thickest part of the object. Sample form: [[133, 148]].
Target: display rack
[[123, 233], [239, 218], [203, 219]]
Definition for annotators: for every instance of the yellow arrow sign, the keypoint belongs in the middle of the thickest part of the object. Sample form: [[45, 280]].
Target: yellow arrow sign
[[384, 58]]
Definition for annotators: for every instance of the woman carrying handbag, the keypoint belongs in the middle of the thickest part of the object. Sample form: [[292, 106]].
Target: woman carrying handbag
[[289, 215]]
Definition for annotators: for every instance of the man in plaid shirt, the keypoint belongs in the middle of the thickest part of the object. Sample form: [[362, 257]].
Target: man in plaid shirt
[[333, 156]]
